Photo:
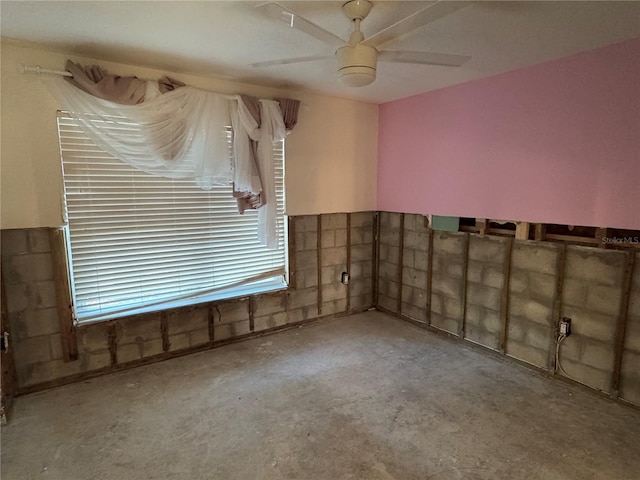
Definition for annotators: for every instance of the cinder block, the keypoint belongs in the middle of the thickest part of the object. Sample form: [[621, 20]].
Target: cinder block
[[306, 241], [179, 341], [537, 312], [300, 314], [187, 319], [542, 285], [421, 260], [14, 242], [488, 297], [388, 270], [592, 377], [32, 350], [390, 219], [407, 257], [604, 299], [474, 272], [630, 377], [444, 323], [481, 337], [447, 286], [94, 360], [331, 274], [414, 312], [341, 237], [333, 256], [328, 239], [232, 312], [518, 281], [493, 277], [306, 223], [414, 278], [333, 307], [591, 324], [271, 321], [448, 243], [632, 335], [453, 308], [128, 352], [38, 239], [301, 298], [388, 302], [306, 260], [310, 278], [474, 315], [538, 336], [535, 257], [18, 297], [601, 267], [491, 321], [332, 221], [437, 303], [516, 330], [269, 304], [43, 295], [334, 291], [362, 219], [93, 337], [28, 268], [145, 327], [487, 249], [199, 337], [40, 322], [416, 240], [527, 353], [455, 269], [598, 355]]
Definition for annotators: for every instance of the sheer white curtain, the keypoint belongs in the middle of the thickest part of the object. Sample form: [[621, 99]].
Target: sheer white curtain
[[182, 134], [272, 129]]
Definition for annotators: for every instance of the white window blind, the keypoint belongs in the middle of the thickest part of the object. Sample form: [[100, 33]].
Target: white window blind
[[139, 242]]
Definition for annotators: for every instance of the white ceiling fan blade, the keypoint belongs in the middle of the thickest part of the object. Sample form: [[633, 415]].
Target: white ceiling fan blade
[[422, 58], [287, 61], [423, 16], [293, 20]]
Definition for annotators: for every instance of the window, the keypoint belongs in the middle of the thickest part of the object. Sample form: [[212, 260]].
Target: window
[[139, 242]]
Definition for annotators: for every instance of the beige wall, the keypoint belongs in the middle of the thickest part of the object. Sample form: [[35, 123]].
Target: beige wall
[[331, 155]]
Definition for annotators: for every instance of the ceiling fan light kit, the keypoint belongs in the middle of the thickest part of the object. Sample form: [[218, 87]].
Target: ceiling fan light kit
[[357, 59]]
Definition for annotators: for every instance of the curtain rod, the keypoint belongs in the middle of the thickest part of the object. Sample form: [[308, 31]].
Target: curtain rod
[[63, 73]]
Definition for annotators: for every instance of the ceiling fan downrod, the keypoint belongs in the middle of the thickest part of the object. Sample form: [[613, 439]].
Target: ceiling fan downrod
[[357, 62]]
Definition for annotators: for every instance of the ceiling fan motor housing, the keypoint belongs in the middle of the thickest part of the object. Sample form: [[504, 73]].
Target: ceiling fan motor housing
[[357, 65]]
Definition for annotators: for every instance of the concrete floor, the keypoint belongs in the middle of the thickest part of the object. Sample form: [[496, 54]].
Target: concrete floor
[[363, 397]]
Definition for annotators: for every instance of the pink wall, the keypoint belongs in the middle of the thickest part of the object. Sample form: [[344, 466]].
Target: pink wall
[[558, 142]]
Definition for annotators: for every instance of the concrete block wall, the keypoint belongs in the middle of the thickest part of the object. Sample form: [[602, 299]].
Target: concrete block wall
[[508, 295], [485, 283], [630, 368], [333, 262], [592, 297], [447, 284], [33, 315], [415, 265], [361, 259], [389, 268], [532, 292]]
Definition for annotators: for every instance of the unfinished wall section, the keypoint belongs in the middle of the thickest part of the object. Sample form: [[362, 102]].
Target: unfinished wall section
[[509, 295], [333, 261], [361, 260], [448, 286], [592, 296], [532, 328], [27, 269], [485, 309], [415, 266], [630, 365], [389, 268]]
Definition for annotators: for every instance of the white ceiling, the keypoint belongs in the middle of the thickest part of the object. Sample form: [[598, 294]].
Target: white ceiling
[[224, 38]]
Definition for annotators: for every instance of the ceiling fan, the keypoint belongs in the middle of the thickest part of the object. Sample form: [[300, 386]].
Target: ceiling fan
[[358, 57]]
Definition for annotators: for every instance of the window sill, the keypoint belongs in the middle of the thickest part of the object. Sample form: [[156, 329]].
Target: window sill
[[237, 293]]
